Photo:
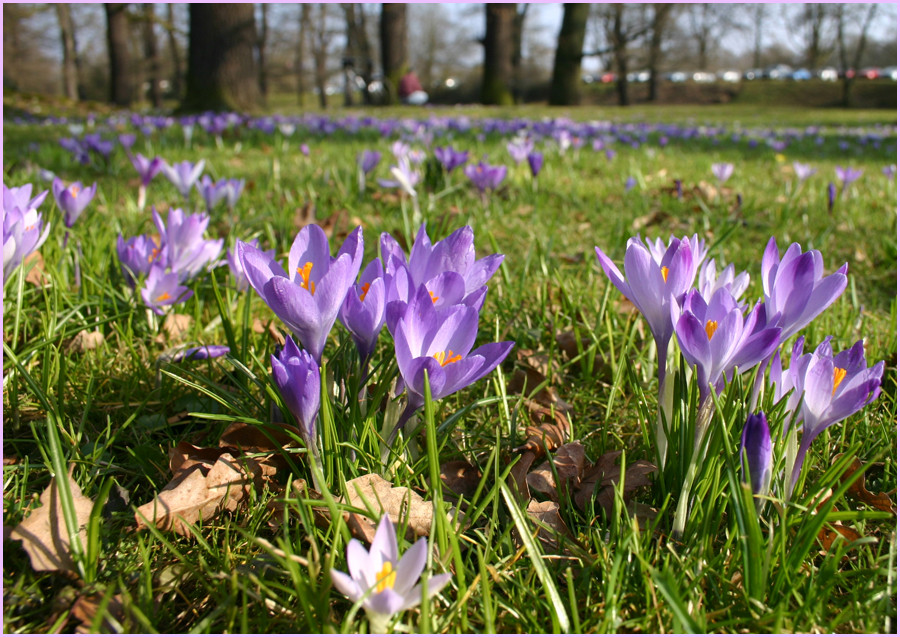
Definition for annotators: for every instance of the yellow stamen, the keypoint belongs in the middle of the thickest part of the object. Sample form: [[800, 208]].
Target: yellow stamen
[[434, 298], [386, 577], [306, 284], [153, 254], [839, 374], [74, 191], [165, 296], [365, 290], [665, 273], [445, 358], [711, 327]]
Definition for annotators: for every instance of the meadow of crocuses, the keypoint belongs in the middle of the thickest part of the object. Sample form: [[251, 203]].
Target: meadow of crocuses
[[336, 313]]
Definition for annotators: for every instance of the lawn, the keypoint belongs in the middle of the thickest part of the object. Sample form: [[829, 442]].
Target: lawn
[[543, 488]]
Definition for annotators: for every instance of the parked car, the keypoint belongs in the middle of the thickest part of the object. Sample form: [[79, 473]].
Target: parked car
[[702, 77], [870, 73], [889, 72], [730, 76], [606, 78], [777, 72], [753, 74], [677, 76], [828, 74], [801, 75]]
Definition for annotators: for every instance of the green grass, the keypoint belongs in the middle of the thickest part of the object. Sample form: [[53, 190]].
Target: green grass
[[114, 412]]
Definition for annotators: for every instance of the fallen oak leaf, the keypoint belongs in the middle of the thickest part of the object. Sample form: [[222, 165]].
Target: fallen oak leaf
[[44, 534], [600, 480], [568, 462], [547, 513], [174, 326], [86, 608], [85, 341], [460, 477], [857, 491], [373, 493]]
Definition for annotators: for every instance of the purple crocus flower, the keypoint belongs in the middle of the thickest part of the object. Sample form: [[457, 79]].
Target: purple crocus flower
[[832, 193], [722, 171], [203, 352], [183, 175], [439, 342], [708, 282], [890, 171], [716, 337], [630, 183], [803, 171], [363, 311], [384, 582], [163, 288], [833, 387], [756, 453], [20, 197], [519, 148], [296, 375], [430, 264], [367, 160], [127, 140], [23, 233], [309, 298], [679, 189], [794, 289], [147, 169], [451, 159], [535, 162], [72, 199], [405, 177], [215, 191], [183, 248], [237, 269], [136, 255], [484, 176], [847, 175]]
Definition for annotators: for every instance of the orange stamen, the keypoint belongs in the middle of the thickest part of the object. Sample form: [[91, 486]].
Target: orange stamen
[[305, 283], [839, 374], [74, 191], [445, 358], [665, 273], [165, 296], [711, 327], [434, 298], [365, 290], [386, 577]]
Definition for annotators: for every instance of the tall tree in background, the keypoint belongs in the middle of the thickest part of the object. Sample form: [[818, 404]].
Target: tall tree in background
[[498, 53], [70, 54], [518, 39], [851, 60], [118, 38], [221, 69], [658, 25], [759, 13], [151, 55], [173, 51], [814, 21], [300, 52], [358, 52], [707, 25], [394, 55], [567, 62], [321, 42], [261, 51]]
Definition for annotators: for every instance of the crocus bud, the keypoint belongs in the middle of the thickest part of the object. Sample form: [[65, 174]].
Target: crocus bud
[[296, 375], [756, 441]]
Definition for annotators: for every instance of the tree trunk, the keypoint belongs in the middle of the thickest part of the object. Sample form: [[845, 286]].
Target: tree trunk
[[759, 16], [358, 52], [567, 62], [261, 51], [173, 52], [11, 45], [394, 55], [300, 59], [620, 54], [151, 56], [518, 30], [221, 70], [847, 83], [70, 55], [118, 39], [661, 14], [498, 53], [320, 57]]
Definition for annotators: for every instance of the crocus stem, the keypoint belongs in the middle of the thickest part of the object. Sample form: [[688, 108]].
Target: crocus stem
[[316, 468], [77, 259], [378, 623], [142, 196], [664, 406], [65, 240], [704, 417]]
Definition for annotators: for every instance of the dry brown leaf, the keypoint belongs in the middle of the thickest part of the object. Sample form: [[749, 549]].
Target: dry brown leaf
[[85, 608], [549, 431], [174, 327], [569, 465], [85, 341], [518, 475], [880, 501], [542, 481], [650, 219], [35, 275], [605, 474], [567, 342], [43, 532], [193, 497], [372, 492], [460, 477], [532, 370], [185, 456], [305, 216], [548, 514], [827, 536], [8, 460]]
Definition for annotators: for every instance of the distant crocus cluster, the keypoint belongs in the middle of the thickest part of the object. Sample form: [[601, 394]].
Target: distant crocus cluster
[[178, 255]]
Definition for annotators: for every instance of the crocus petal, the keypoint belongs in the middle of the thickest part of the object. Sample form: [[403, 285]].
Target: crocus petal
[[410, 566], [384, 544], [346, 585]]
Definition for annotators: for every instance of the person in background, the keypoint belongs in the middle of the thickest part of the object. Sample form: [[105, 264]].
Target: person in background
[[410, 90]]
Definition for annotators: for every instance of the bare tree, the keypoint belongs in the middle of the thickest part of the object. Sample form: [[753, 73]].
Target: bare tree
[[658, 25], [567, 62], [222, 72], [518, 37], [151, 56], [620, 25], [498, 53], [70, 53], [759, 13], [118, 38], [814, 22], [394, 55], [862, 15], [262, 37], [322, 36], [358, 52], [708, 24], [301, 52], [173, 50]]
